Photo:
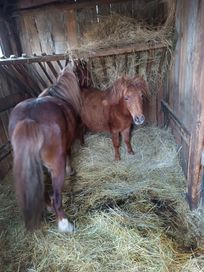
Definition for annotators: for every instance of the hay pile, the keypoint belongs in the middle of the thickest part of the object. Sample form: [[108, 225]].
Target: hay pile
[[129, 215]]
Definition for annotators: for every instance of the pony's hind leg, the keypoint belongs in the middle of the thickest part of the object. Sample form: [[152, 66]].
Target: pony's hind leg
[[57, 183], [126, 136]]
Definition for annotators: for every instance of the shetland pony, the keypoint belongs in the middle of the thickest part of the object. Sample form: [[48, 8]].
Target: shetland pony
[[114, 109], [42, 131]]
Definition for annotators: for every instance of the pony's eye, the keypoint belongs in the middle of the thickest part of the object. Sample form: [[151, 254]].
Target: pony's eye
[[126, 97]]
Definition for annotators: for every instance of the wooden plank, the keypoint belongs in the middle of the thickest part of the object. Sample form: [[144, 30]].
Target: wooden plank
[[77, 5], [97, 53], [33, 59], [5, 150], [44, 28], [166, 107], [197, 135], [143, 47], [50, 65], [85, 18], [45, 72], [160, 93], [11, 100], [72, 28]]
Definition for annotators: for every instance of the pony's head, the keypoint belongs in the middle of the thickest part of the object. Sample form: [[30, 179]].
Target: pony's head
[[130, 91], [136, 90]]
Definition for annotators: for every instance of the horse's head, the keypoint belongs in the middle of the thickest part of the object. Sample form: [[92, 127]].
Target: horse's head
[[133, 98]]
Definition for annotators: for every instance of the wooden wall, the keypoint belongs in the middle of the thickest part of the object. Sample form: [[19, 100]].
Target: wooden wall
[[56, 28], [9, 95], [184, 92]]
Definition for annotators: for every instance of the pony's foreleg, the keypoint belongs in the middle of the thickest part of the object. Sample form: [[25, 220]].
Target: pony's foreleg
[[116, 144], [126, 136], [57, 183]]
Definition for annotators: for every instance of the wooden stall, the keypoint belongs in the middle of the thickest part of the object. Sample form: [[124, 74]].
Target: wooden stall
[[46, 31], [144, 212]]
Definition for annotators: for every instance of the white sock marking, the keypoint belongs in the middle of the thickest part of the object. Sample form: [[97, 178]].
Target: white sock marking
[[65, 226]]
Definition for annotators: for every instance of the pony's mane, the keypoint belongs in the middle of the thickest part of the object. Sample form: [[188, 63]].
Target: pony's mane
[[121, 86], [140, 84], [67, 88]]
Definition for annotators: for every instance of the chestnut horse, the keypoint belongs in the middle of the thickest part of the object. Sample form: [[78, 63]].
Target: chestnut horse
[[42, 131], [114, 109]]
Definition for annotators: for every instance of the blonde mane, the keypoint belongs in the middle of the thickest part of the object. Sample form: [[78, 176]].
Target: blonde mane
[[121, 86]]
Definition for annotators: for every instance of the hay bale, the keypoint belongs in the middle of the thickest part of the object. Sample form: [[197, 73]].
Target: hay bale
[[130, 215]]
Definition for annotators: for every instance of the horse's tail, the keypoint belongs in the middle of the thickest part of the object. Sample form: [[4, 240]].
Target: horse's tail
[[27, 141]]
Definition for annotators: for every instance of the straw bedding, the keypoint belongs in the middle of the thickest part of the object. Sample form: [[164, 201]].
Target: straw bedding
[[129, 215]]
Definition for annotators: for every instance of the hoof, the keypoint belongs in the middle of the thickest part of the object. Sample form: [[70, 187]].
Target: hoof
[[70, 171], [65, 226]]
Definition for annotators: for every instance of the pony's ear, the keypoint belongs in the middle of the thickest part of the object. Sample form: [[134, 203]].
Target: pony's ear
[[105, 102]]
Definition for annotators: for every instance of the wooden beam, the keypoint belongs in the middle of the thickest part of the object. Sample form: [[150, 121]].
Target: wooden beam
[[33, 59], [30, 4], [142, 47], [185, 134], [197, 135]]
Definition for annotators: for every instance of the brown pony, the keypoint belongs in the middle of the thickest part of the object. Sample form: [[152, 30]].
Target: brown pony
[[42, 131], [114, 109]]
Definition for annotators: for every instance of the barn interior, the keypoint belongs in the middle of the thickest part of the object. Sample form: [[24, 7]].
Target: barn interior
[[145, 212]]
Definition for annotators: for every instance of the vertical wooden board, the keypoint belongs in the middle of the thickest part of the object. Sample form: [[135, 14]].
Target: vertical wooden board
[[32, 35], [120, 65], [110, 68], [24, 33], [104, 10], [197, 136], [138, 8], [115, 8], [4, 168], [131, 64], [59, 25], [143, 64], [182, 53], [97, 73], [85, 19], [44, 28], [126, 8], [189, 45], [3, 128], [71, 26]]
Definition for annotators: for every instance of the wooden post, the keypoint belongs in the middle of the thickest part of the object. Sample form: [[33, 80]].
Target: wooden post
[[197, 135], [72, 28]]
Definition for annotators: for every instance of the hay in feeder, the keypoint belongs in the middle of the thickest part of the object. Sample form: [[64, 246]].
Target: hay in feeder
[[116, 30], [130, 215]]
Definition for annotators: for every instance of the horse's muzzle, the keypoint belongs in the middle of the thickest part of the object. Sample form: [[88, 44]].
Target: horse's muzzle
[[139, 120]]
